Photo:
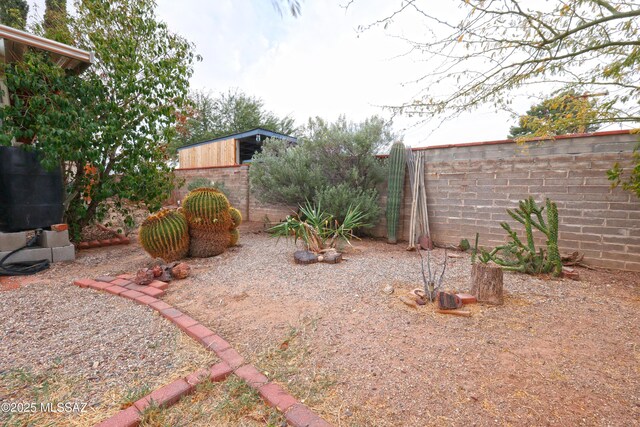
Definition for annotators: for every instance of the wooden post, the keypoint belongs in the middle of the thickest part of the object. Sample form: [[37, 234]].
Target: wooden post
[[486, 283]]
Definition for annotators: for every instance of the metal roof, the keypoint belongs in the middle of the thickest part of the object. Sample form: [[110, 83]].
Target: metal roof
[[68, 57], [246, 134]]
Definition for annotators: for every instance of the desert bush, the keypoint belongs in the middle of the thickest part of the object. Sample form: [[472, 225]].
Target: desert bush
[[332, 161], [338, 199]]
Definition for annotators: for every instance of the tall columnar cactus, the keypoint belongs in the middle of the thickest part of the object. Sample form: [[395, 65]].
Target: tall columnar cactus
[[165, 235], [553, 257], [394, 190], [518, 256], [208, 209]]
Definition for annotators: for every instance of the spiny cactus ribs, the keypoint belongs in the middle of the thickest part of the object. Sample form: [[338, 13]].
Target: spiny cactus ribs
[[207, 209], [236, 217], [523, 257], [204, 226], [396, 185], [165, 235]]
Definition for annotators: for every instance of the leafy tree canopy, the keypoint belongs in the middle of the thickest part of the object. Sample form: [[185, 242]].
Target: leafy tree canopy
[[334, 165], [56, 21], [565, 113], [109, 127], [229, 112], [13, 13]]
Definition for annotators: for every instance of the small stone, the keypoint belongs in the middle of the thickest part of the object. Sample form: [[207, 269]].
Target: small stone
[[157, 270], [181, 271], [425, 242], [348, 413], [95, 364], [388, 289], [144, 276]]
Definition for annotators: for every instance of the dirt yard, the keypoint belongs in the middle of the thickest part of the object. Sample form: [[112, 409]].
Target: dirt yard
[[559, 352]]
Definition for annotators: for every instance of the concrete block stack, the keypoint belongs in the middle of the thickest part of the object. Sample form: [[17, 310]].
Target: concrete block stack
[[52, 245]]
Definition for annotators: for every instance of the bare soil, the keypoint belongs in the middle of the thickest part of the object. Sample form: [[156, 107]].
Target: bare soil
[[558, 352]]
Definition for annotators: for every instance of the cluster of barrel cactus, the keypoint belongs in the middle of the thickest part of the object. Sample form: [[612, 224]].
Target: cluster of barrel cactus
[[204, 226]]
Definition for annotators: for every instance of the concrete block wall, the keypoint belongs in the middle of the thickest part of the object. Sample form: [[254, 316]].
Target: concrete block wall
[[470, 186], [236, 181], [235, 178]]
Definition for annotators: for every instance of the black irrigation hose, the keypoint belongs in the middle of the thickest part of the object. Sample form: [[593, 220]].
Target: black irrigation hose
[[22, 268]]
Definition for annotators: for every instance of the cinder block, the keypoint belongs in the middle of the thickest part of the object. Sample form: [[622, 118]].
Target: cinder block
[[12, 241], [54, 239], [64, 253], [30, 254]]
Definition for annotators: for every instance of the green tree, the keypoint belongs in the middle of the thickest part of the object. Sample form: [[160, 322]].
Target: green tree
[[491, 48], [230, 112], [334, 165], [565, 113], [56, 21], [109, 128], [13, 13]]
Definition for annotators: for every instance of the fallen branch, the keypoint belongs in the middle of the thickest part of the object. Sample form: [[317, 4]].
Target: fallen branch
[[462, 313]]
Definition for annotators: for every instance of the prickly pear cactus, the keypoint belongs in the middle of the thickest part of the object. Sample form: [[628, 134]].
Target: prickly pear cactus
[[165, 235]]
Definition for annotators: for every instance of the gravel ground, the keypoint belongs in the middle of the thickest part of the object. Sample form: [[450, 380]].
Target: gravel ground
[[558, 352], [104, 345]]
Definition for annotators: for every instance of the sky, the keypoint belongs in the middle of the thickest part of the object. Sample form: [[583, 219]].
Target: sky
[[319, 64]]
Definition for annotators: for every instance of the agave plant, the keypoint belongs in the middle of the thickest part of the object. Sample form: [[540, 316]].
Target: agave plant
[[319, 230]]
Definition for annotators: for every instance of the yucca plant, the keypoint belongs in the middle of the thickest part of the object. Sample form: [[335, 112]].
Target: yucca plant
[[319, 230]]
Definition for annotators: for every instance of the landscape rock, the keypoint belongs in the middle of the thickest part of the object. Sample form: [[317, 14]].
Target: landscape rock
[[157, 270], [144, 276], [305, 257], [181, 270]]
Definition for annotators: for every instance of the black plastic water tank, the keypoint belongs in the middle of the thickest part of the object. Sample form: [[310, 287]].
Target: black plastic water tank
[[30, 196]]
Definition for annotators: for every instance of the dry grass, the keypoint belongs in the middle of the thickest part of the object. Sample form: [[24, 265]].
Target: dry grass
[[234, 403], [227, 404], [30, 385], [283, 363]]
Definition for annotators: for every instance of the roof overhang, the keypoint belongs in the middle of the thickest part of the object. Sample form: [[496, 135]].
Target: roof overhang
[[67, 57], [245, 136]]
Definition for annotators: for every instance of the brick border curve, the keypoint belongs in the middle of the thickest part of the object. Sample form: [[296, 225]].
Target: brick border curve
[[296, 413]]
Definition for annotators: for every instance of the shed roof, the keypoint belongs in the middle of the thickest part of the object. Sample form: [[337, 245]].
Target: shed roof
[[242, 135], [68, 57]]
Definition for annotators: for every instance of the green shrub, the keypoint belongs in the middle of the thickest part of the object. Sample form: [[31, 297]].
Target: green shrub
[[318, 229], [337, 201], [334, 165]]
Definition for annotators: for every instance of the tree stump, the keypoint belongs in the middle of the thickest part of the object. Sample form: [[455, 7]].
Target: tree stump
[[486, 283]]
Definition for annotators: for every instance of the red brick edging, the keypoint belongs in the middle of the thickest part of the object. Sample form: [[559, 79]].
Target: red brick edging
[[296, 413]]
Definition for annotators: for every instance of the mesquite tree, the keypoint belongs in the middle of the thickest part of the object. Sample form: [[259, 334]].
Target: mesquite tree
[[482, 53]]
